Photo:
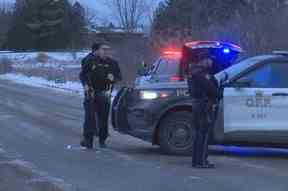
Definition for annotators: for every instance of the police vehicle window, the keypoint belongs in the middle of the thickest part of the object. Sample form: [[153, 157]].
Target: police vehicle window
[[279, 77], [154, 66], [167, 67], [270, 75]]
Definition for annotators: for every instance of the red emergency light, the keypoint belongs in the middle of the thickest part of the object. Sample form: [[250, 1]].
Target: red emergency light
[[172, 53]]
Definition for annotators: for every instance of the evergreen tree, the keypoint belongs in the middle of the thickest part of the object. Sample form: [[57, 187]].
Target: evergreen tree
[[49, 23], [46, 25], [19, 37], [78, 23], [5, 20]]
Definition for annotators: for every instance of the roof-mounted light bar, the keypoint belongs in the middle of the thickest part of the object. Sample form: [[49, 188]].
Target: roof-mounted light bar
[[172, 53], [214, 44]]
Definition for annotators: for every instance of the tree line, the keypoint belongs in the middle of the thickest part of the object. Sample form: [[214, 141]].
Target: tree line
[[257, 25]]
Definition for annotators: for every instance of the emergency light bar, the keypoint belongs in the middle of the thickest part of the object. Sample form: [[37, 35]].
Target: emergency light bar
[[227, 47], [224, 48], [172, 53], [223, 54]]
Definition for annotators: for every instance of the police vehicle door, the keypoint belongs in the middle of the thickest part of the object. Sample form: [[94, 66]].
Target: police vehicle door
[[258, 100]]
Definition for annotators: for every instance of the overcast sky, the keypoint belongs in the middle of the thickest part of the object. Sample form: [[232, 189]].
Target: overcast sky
[[100, 7]]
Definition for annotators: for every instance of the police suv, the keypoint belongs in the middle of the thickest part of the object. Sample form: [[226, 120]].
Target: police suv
[[252, 111]]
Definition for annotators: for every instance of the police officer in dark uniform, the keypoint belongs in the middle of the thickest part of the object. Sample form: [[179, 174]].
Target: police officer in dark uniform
[[204, 91], [98, 74]]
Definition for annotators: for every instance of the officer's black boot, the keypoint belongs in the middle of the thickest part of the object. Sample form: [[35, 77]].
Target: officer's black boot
[[102, 144], [87, 142], [208, 164], [102, 137]]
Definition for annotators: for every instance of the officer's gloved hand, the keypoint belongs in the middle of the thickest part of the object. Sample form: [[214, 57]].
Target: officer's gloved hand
[[110, 77], [89, 92]]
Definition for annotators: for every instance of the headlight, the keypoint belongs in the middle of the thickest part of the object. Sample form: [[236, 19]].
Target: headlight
[[149, 95]]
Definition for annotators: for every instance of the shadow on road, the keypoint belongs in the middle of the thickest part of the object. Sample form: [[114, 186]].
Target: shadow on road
[[219, 150], [249, 151]]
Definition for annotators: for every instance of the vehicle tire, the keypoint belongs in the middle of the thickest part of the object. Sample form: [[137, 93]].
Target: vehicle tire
[[176, 133]]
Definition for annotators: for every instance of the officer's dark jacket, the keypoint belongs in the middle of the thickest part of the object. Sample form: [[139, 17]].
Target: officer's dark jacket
[[201, 87], [94, 72]]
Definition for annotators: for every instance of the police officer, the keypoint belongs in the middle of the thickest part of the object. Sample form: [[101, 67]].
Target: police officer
[[98, 74], [203, 88]]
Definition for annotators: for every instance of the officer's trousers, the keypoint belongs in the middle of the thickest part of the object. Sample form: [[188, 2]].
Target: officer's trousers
[[202, 127], [96, 117]]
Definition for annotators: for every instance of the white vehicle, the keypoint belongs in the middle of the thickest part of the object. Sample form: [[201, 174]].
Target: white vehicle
[[255, 102], [253, 111]]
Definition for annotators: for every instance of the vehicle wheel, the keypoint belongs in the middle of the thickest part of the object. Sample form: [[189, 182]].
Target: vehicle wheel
[[176, 133]]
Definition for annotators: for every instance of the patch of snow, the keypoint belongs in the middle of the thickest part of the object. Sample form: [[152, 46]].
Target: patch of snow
[[74, 87], [6, 51], [52, 57]]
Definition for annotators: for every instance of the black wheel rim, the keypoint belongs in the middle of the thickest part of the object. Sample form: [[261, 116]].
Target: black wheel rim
[[179, 135]]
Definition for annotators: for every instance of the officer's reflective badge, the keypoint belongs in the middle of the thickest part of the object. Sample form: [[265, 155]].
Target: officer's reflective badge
[[110, 77]]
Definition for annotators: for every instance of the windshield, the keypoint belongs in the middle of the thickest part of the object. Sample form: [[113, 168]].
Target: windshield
[[167, 67], [242, 65]]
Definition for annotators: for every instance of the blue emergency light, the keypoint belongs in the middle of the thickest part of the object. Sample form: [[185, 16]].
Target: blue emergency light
[[223, 54], [226, 51]]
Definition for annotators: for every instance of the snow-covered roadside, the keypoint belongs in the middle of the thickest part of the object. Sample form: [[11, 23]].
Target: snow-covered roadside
[[72, 87], [58, 56], [55, 65], [52, 60]]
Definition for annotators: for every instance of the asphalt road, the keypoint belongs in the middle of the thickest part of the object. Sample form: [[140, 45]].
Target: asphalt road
[[37, 125]]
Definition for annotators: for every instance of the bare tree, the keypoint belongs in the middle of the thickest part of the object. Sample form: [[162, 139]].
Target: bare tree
[[90, 16], [130, 13]]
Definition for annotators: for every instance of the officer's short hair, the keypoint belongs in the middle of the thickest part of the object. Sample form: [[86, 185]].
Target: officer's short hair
[[96, 46]]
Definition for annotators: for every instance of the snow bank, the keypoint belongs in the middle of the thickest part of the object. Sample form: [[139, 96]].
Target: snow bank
[[73, 87], [64, 56], [44, 59]]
